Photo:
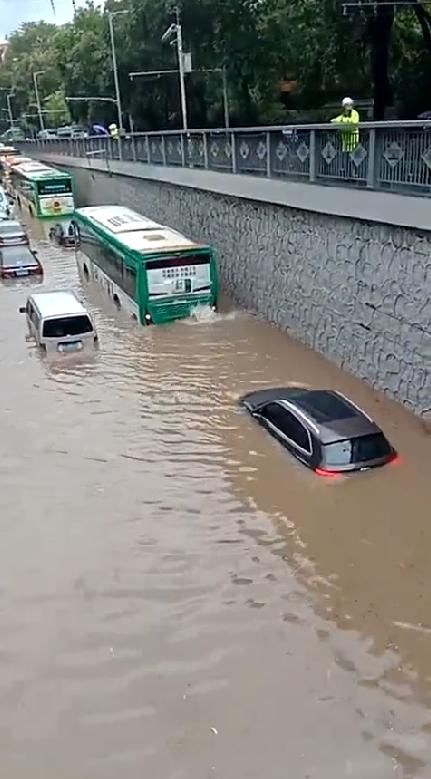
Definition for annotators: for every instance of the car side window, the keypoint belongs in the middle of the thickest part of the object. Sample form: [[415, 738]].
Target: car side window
[[31, 313], [288, 424]]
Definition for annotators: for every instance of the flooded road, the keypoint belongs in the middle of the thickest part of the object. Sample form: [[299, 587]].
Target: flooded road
[[179, 598]]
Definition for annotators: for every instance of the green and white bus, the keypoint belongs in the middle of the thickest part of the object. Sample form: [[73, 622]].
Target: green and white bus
[[46, 192], [155, 273]]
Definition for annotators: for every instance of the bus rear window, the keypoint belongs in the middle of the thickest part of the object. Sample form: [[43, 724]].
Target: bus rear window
[[357, 450], [61, 327], [55, 187]]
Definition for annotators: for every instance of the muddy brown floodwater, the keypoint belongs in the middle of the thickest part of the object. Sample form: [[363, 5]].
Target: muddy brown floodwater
[[179, 599]]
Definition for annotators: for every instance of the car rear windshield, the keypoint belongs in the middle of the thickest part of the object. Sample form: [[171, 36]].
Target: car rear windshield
[[11, 229], [12, 256], [54, 187], [61, 327], [356, 450]]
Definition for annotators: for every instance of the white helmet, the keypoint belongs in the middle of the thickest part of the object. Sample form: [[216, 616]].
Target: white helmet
[[347, 101]]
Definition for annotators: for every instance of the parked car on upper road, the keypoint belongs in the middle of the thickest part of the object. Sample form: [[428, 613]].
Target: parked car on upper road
[[46, 134], [321, 428]]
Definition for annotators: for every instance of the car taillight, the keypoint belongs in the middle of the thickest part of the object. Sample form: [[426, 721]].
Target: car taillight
[[327, 474], [395, 459]]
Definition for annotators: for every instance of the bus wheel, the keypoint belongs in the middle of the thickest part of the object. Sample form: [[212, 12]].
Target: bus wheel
[[116, 300]]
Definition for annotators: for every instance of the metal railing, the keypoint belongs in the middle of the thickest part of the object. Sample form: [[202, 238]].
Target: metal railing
[[388, 156]]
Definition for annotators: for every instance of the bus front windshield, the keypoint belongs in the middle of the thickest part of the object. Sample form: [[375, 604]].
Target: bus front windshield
[[55, 187]]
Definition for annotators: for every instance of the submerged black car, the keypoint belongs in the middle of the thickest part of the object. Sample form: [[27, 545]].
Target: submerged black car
[[321, 428]]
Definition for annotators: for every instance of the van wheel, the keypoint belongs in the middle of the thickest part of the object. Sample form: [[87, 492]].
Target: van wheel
[[116, 300], [134, 317], [86, 273]]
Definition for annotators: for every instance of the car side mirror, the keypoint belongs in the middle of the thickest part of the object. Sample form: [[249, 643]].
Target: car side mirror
[[22, 309]]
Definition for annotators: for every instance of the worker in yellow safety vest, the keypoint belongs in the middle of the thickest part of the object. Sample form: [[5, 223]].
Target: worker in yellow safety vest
[[114, 131], [349, 117]]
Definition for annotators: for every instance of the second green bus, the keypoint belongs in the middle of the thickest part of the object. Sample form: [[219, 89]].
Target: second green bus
[[152, 271]]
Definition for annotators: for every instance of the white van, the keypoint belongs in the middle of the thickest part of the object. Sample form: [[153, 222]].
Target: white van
[[59, 320]]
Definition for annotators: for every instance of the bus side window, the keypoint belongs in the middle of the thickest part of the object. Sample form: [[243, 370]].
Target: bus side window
[[129, 281]]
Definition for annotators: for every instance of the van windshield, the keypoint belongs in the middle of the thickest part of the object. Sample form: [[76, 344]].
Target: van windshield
[[60, 327]]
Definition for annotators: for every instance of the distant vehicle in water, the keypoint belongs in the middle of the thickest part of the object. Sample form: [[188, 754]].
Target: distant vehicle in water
[[321, 428], [153, 272], [44, 191], [59, 321], [12, 233], [5, 153], [18, 262], [5, 205], [64, 235]]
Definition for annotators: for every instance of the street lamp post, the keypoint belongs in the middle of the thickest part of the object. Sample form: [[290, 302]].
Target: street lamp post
[[176, 30], [111, 15], [225, 99], [36, 92]]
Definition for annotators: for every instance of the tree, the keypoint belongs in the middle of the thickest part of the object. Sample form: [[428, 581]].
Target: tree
[[258, 42], [57, 111]]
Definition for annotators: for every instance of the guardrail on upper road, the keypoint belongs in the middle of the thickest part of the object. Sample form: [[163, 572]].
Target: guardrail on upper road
[[390, 156]]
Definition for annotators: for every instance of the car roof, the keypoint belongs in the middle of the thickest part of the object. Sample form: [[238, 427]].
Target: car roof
[[327, 413], [60, 303], [136, 231], [12, 223]]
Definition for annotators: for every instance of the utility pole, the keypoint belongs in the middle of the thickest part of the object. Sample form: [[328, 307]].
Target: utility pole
[[167, 37], [9, 108], [181, 69], [225, 99], [36, 92], [111, 15]]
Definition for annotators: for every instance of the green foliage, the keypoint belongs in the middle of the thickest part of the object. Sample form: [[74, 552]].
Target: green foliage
[[57, 111], [258, 42]]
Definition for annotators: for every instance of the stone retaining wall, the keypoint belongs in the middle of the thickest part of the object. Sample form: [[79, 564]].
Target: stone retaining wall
[[358, 292]]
